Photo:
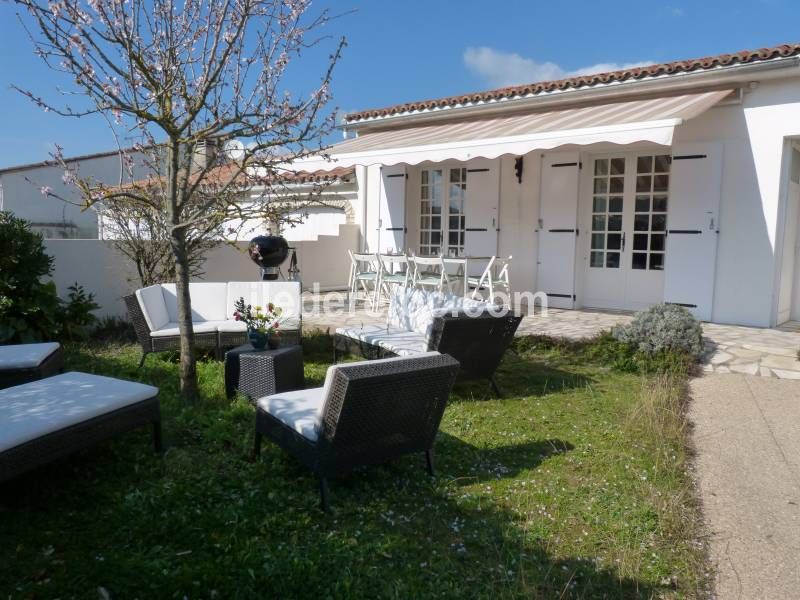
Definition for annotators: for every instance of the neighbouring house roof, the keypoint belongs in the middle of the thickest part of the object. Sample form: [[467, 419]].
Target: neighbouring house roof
[[72, 159], [582, 81]]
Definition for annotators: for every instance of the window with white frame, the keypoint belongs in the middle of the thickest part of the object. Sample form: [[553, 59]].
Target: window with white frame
[[650, 212], [442, 224]]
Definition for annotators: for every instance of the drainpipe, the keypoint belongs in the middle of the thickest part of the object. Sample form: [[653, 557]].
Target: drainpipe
[[362, 170]]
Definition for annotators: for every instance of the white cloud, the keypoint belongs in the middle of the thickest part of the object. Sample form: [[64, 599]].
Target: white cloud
[[499, 68]]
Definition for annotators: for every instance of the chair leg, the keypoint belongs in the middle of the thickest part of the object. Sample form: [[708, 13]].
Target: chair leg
[[141, 362], [157, 441], [324, 496], [256, 446], [495, 387], [429, 461]]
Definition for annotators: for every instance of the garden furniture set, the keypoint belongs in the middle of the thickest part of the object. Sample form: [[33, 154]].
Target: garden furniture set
[[366, 412]]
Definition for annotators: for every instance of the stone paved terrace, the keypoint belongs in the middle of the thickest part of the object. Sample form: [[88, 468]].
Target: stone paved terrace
[[729, 348]]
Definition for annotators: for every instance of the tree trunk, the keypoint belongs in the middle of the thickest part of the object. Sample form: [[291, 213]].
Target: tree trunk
[[188, 366], [188, 370]]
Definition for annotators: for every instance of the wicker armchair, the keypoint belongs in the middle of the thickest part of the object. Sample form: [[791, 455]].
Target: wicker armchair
[[366, 413]]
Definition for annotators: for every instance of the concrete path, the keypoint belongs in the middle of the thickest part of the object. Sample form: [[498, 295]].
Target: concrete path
[[747, 436]]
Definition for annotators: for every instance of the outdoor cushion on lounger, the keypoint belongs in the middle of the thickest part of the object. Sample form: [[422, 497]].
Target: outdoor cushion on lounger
[[45, 419], [21, 363], [398, 341]]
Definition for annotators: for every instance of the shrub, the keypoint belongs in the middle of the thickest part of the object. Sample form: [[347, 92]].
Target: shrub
[[29, 307], [77, 317], [663, 328]]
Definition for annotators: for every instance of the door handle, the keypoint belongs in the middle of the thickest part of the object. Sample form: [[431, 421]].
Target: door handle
[[623, 241]]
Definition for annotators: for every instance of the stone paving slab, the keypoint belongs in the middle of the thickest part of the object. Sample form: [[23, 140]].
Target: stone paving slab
[[729, 348]]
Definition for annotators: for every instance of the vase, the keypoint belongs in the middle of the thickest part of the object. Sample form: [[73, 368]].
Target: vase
[[258, 339]]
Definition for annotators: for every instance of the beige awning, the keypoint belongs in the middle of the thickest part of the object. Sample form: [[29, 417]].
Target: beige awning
[[649, 120]]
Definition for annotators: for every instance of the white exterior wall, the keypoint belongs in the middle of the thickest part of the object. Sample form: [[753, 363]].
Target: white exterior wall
[[99, 268], [21, 192]]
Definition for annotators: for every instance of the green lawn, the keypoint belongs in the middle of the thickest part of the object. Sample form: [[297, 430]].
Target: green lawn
[[574, 485]]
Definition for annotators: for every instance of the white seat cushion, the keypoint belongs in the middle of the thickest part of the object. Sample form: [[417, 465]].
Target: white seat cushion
[[229, 326], [399, 341], [171, 329], [32, 410], [301, 410], [25, 356], [151, 301]]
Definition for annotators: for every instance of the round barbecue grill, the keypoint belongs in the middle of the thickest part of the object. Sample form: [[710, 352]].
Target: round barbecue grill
[[269, 252]]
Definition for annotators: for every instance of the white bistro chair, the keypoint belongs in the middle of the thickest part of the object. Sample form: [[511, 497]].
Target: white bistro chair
[[430, 272], [364, 269], [393, 269], [495, 278]]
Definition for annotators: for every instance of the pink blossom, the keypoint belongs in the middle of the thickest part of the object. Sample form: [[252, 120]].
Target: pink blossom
[[46, 190]]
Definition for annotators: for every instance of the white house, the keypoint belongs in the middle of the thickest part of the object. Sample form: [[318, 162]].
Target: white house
[[20, 193], [677, 182]]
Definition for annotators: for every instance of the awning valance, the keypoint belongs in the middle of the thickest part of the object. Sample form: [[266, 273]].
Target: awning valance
[[645, 120]]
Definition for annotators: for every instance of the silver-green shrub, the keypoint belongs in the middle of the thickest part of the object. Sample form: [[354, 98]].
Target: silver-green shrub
[[663, 327]]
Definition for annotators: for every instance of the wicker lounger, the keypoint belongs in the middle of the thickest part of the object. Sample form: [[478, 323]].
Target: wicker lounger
[[366, 413], [21, 363], [52, 418]]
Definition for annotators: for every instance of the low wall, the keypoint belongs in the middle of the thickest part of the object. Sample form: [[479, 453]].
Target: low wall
[[99, 268]]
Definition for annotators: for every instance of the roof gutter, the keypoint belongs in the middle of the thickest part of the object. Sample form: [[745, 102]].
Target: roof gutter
[[711, 78]]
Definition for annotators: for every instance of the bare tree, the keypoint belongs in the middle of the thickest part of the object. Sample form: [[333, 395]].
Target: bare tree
[[183, 79]]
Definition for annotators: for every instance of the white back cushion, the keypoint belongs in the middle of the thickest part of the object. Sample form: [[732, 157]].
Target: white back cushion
[[285, 294], [249, 290], [414, 310], [208, 301], [151, 300]]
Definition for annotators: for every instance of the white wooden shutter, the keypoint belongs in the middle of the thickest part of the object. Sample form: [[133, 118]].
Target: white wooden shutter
[[392, 224], [373, 191], [692, 226], [480, 210], [558, 223]]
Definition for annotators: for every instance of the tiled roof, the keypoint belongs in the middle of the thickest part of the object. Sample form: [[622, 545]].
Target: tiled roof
[[583, 81]]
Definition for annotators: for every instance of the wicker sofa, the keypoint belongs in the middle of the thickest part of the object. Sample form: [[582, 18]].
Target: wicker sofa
[[154, 313], [477, 334], [366, 413]]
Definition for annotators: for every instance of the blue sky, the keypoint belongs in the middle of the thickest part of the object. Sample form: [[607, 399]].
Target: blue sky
[[400, 51]]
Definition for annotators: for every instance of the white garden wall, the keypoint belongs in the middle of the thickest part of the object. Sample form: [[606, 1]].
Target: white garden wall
[[99, 268]]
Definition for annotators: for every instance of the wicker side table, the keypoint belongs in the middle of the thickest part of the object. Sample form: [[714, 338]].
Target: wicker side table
[[259, 373]]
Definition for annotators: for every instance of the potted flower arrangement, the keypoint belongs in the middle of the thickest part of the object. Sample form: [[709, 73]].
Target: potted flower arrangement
[[262, 325]]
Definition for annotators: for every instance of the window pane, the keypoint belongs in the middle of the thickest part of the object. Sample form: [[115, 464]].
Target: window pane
[[436, 238], [424, 192], [452, 238], [596, 259], [598, 223], [436, 222], [617, 166], [425, 177], [660, 204], [659, 222], [425, 223], [425, 238], [643, 184], [660, 183], [662, 163], [615, 204], [639, 260], [657, 262], [615, 223], [644, 164], [598, 204], [455, 175], [617, 185], [601, 166], [612, 260], [600, 186], [642, 203], [640, 241], [614, 241], [453, 223], [598, 240], [657, 242], [641, 222]]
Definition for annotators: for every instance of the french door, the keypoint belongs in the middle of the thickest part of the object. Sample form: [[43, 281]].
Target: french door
[[442, 223], [625, 225]]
